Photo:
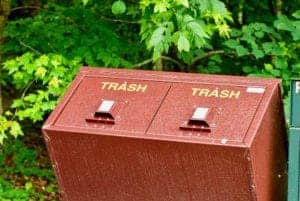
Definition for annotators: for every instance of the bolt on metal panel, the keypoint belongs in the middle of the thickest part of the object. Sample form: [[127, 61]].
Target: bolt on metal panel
[[161, 136]]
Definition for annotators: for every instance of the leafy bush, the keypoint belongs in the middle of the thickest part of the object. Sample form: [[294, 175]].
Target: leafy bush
[[73, 32], [40, 80], [268, 51], [20, 162], [187, 25]]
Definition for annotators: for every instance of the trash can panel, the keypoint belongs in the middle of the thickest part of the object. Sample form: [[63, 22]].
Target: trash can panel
[[214, 111], [111, 104], [295, 103], [130, 169]]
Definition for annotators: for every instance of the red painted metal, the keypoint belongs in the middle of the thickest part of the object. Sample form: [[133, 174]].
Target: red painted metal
[[156, 151]]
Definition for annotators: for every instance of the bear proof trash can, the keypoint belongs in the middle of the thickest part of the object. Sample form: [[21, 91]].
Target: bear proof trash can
[[294, 143], [127, 135]]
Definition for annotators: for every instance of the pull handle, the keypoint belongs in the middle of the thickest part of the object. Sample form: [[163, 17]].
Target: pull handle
[[199, 120], [104, 113]]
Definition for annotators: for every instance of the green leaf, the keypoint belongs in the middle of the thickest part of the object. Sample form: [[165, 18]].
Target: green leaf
[[197, 29], [283, 23], [296, 67], [85, 2], [183, 44], [258, 53], [42, 60], [268, 67], [183, 2], [28, 185], [247, 69], [232, 43], [273, 48], [296, 14], [296, 34], [17, 103], [15, 129], [259, 34], [161, 6], [281, 63], [30, 98], [118, 7], [275, 72], [11, 65], [241, 51], [157, 36]]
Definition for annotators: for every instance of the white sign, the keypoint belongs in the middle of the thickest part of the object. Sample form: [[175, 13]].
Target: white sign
[[297, 87], [256, 90]]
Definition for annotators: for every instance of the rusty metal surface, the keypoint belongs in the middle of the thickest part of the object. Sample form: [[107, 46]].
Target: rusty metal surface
[[146, 155]]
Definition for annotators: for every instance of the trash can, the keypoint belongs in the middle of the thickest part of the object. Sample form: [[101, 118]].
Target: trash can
[[133, 135], [294, 143]]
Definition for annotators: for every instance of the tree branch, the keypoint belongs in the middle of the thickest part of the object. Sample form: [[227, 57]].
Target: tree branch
[[22, 97], [208, 54], [180, 65], [139, 65], [118, 20], [147, 61], [25, 7], [29, 47]]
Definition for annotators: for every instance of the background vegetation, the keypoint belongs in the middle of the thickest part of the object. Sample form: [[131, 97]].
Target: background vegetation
[[44, 42]]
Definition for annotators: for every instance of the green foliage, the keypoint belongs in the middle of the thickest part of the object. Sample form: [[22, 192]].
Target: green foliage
[[73, 32], [17, 159], [10, 127], [40, 80], [9, 193], [187, 25], [268, 51]]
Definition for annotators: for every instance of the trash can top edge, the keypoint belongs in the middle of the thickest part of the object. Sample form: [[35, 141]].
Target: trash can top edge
[[176, 76]]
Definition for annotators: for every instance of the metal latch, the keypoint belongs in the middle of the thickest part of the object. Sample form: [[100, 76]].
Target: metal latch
[[199, 121], [104, 113]]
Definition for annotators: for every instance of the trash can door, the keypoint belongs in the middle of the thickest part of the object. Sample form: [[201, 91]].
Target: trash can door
[[123, 106], [213, 111]]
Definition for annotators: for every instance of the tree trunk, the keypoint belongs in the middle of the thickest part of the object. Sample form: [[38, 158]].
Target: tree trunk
[[241, 12], [278, 7], [4, 13], [5, 6]]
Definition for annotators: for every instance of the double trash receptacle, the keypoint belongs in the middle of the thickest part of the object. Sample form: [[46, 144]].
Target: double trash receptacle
[[132, 135], [294, 143]]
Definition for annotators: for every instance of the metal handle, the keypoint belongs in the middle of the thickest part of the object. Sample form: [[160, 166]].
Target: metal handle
[[199, 120], [104, 113]]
